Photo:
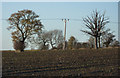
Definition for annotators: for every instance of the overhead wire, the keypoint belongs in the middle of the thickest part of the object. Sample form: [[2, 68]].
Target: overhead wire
[[71, 19]]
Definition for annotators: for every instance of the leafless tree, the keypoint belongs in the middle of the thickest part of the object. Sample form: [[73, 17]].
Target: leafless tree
[[95, 24], [55, 37], [107, 38], [45, 39], [40, 40], [115, 43]]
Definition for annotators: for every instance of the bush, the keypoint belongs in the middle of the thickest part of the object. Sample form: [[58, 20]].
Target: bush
[[19, 46]]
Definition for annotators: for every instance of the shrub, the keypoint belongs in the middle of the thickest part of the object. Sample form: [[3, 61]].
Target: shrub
[[19, 46]]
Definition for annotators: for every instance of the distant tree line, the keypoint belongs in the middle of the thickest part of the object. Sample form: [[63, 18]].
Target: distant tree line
[[106, 41], [27, 30]]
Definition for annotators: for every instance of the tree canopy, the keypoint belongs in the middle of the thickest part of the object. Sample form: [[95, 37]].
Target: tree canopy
[[23, 24], [71, 42]]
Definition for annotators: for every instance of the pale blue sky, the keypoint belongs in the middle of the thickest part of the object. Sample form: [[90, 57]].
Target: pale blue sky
[[54, 10]]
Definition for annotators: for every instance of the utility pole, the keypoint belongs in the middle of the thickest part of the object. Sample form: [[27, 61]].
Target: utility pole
[[64, 43]]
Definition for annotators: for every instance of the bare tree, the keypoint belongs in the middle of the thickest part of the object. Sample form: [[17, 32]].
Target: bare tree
[[24, 23], [55, 37], [45, 39], [107, 38], [115, 43], [41, 40], [95, 24]]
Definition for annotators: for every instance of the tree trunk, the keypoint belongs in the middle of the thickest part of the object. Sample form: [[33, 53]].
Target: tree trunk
[[23, 46], [99, 42], [96, 44], [107, 44], [44, 47], [51, 45]]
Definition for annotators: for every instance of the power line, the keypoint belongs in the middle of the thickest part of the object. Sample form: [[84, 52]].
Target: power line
[[64, 18], [50, 19]]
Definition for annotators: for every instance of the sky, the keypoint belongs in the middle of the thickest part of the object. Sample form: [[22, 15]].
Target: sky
[[60, 10], [59, 0]]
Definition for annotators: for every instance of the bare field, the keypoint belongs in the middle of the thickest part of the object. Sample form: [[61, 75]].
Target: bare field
[[84, 62]]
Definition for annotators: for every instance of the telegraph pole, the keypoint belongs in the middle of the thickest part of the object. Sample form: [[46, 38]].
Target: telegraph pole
[[64, 43]]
